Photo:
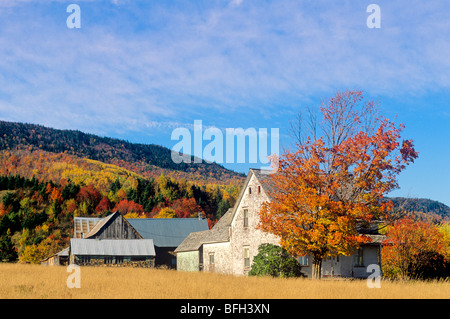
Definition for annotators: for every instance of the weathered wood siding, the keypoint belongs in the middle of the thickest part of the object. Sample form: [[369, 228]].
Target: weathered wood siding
[[117, 228]]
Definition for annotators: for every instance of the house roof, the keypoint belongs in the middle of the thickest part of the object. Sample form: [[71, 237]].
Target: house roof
[[192, 242], [112, 247], [375, 239], [221, 232], [167, 232]]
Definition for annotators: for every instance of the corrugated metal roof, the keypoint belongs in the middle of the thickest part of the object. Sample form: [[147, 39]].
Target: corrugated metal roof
[[64, 252], [112, 247], [167, 232]]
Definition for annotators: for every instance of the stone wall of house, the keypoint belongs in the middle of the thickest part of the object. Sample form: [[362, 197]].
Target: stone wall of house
[[248, 237], [222, 257]]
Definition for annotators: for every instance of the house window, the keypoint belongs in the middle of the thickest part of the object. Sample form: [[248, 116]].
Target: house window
[[303, 260], [119, 260], [359, 257], [211, 261], [249, 190], [259, 189], [246, 257], [245, 217]]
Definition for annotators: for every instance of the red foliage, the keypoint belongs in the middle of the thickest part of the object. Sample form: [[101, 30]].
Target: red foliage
[[90, 195], [103, 206], [124, 207], [185, 208]]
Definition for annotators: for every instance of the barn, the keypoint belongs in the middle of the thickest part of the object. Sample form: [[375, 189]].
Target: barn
[[115, 240], [60, 258]]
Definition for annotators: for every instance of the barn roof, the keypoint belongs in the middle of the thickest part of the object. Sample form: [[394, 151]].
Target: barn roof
[[112, 247], [99, 225], [106, 222], [167, 232]]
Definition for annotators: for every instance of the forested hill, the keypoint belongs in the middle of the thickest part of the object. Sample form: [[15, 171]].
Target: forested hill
[[104, 149], [420, 205]]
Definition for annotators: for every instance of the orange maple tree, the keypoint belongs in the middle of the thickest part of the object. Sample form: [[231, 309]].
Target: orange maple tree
[[335, 179]]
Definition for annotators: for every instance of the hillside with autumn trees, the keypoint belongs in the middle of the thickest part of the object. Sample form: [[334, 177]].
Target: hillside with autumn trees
[[149, 160], [48, 177]]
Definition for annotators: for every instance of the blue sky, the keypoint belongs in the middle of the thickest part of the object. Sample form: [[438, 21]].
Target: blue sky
[[137, 70]]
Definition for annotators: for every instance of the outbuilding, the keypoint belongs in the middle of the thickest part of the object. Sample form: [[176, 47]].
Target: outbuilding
[[112, 252]]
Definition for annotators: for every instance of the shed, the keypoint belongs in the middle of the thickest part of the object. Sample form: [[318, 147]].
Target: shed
[[118, 252], [60, 258]]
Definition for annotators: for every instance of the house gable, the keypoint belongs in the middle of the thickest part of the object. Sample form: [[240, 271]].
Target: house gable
[[245, 236]]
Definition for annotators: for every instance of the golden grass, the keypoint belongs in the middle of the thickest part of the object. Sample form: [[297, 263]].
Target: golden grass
[[35, 281]]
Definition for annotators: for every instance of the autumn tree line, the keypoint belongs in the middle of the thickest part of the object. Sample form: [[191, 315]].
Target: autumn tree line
[[36, 217]]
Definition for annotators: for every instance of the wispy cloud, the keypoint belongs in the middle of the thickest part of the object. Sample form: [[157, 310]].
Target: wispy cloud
[[148, 62]]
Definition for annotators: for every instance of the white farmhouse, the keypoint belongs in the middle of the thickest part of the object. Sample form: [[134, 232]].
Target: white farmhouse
[[230, 246]]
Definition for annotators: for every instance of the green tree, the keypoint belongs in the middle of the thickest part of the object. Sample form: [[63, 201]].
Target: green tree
[[274, 261], [222, 208], [7, 250]]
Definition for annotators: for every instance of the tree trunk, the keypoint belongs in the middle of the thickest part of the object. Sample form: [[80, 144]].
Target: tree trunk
[[317, 267]]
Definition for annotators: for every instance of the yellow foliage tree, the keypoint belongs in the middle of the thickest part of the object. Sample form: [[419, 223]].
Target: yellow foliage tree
[[134, 215], [166, 212]]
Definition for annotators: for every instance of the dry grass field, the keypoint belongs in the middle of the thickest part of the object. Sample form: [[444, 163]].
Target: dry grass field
[[35, 281]]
